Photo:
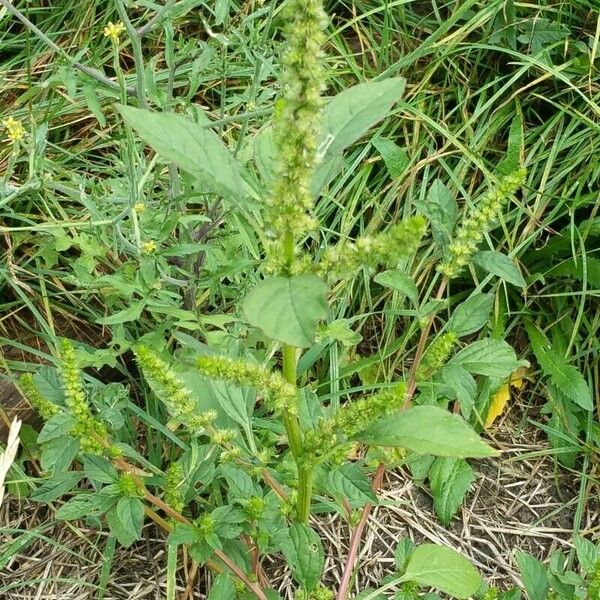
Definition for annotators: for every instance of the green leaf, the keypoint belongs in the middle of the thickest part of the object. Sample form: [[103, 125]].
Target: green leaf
[[512, 161], [58, 454], [587, 553], [58, 485], [126, 519], [84, 505], [427, 430], [304, 553], [565, 377], [131, 313], [339, 331], [399, 281], [222, 588], [99, 469], [228, 521], [287, 309], [500, 265], [233, 402], [441, 210], [354, 111], [394, 157], [47, 381], [472, 314], [184, 533], [57, 427], [461, 382], [192, 147], [450, 479], [402, 553], [492, 358], [350, 482], [444, 569], [534, 575]]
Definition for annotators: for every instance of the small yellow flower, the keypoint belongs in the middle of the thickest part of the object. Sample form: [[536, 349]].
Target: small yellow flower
[[14, 128], [139, 207], [113, 31], [149, 247]]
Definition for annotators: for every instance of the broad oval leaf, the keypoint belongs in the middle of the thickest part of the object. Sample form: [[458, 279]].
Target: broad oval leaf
[[304, 552], [192, 147], [472, 314], [427, 430], [287, 309], [493, 358], [444, 569]]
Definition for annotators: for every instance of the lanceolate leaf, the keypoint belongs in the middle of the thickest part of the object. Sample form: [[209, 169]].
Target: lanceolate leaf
[[427, 430], [564, 376], [444, 569], [355, 110], [499, 264], [288, 309], [192, 147]]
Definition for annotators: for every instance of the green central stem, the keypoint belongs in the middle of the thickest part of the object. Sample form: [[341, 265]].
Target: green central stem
[[290, 420]]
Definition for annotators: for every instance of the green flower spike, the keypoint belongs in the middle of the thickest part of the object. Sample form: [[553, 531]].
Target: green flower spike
[[277, 393], [46, 408], [297, 124], [479, 220], [401, 240], [90, 432], [349, 420], [172, 391]]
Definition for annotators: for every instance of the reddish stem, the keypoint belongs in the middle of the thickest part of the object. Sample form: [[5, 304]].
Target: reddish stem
[[356, 536]]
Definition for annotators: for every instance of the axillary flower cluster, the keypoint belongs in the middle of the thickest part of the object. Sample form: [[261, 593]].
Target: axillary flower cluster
[[14, 129]]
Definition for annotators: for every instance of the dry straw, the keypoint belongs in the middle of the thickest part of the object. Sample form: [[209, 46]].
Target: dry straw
[[8, 456]]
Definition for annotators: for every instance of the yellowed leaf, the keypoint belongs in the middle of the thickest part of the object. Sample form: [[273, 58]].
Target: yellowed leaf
[[497, 404], [502, 396]]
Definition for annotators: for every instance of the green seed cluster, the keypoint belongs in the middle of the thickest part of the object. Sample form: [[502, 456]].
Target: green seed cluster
[[401, 240], [277, 393], [594, 584], [297, 122], [436, 355], [491, 594], [172, 391], [478, 220], [90, 432], [319, 593], [129, 486], [173, 486], [349, 420], [45, 408]]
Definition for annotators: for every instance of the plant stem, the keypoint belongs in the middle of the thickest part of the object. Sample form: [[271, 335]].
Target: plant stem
[[291, 422], [138, 57], [356, 535]]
